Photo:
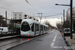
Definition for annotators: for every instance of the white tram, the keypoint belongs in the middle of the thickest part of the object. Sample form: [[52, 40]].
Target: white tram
[[30, 27]]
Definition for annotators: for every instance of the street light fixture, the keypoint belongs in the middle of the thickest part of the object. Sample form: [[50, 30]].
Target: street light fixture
[[62, 4], [70, 15]]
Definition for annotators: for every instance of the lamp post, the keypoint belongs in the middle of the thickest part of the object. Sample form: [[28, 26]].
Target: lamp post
[[6, 17], [63, 18], [40, 16], [70, 15], [60, 22], [62, 4]]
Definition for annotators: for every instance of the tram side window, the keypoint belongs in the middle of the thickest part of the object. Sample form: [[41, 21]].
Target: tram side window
[[32, 27], [44, 28], [47, 29], [41, 28], [37, 27]]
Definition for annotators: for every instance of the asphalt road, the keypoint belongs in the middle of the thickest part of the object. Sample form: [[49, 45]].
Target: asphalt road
[[51, 41]]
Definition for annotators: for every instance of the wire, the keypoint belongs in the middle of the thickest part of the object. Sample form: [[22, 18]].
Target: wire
[[6, 8], [53, 15], [31, 5]]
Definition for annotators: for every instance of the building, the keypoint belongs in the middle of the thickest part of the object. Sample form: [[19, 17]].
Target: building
[[73, 16], [68, 14], [20, 15]]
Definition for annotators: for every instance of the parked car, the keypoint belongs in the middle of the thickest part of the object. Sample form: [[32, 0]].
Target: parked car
[[3, 30], [67, 31]]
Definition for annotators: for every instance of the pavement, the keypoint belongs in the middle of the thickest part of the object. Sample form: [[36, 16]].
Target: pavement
[[51, 41], [71, 41]]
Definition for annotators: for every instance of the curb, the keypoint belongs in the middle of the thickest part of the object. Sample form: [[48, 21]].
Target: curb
[[68, 44], [20, 44], [23, 43], [8, 37]]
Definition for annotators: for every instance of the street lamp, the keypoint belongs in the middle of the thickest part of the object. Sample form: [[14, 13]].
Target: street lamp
[[62, 4], [40, 16], [6, 17], [70, 15]]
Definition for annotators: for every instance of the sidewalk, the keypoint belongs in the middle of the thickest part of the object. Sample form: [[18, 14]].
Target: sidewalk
[[70, 41]]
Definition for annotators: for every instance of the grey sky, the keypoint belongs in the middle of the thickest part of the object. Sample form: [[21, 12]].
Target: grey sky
[[47, 7]]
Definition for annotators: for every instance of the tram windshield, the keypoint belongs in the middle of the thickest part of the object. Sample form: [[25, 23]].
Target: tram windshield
[[25, 26]]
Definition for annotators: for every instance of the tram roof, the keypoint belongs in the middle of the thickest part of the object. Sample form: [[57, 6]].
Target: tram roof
[[30, 21], [33, 21]]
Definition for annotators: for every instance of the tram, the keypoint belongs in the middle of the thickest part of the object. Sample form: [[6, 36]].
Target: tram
[[30, 27]]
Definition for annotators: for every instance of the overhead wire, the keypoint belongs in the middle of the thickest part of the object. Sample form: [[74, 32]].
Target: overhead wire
[[53, 15], [7, 9], [31, 5]]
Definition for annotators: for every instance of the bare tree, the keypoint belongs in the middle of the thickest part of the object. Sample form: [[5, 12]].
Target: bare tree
[[47, 23], [2, 21], [66, 24], [58, 25]]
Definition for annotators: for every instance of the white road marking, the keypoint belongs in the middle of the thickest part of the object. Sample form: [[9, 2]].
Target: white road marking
[[55, 38], [52, 44], [60, 47]]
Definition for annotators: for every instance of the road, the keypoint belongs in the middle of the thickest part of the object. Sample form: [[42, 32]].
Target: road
[[51, 41], [10, 42]]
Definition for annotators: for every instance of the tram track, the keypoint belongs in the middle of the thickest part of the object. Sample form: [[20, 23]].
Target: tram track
[[9, 43]]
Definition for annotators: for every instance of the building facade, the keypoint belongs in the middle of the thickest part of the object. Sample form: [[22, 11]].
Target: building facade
[[68, 14], [20, 15], [73, 17]]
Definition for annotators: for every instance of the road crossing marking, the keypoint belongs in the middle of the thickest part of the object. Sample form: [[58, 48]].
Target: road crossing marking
[[60, 47]]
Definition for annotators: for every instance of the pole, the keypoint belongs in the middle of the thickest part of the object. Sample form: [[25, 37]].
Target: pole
[[40, 16], [6, 17], [1, 22], [63, 18], [61, 22], [71, 18]]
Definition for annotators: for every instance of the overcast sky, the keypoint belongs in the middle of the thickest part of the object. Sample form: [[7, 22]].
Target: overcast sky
[[47, 7]]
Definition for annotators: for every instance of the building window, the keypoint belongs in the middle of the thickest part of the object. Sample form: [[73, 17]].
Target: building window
[[15, 14], [19, 14], [19, 17], [15, 17]]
